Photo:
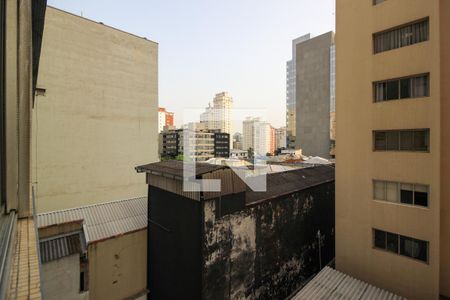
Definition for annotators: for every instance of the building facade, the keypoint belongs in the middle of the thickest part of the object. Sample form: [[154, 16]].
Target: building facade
[[237, 141], [203, 144], [291, 92], [248, 133], [97, 110], [263, 138], [21, 27], [95, 252], [280, 138], [313, 95], [218, 116], [237, 243], [165, 118], [392, 155]]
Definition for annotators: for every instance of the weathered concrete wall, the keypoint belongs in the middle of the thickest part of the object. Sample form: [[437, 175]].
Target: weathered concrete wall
[[118, 267], [266, 251], [313, 95], [98, 118], [61, 279]]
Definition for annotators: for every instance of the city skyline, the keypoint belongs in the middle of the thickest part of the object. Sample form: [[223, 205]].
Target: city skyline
[[224, 46]]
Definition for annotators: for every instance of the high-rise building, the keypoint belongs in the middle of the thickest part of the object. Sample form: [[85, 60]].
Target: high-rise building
[[203, 143], [218, 116], [280, 138], [264, 138], [290, 92], [393, 144], [96, 110], [313, 94], [273, 143], [248, 135], [165, 118], [237, 141]]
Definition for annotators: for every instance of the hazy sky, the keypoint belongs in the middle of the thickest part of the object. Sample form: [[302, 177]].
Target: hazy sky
[[209, 46]]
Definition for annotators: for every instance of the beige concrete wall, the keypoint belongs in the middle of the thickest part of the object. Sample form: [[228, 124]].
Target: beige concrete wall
[[61, 279], [98, 118], [357, 165], [19, 96], [118, 267], [11, 82], [445, 146]]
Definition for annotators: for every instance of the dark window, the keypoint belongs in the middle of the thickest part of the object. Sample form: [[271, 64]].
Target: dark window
[[380, 140], [406, 193], [375, 2], [414, 248], [392, 140], [380, 239], [401, 140], [402, 36], [392, 90], [406, 140], [421, 195], [401, 245], [392, 242], [421, 140], [403, 88]]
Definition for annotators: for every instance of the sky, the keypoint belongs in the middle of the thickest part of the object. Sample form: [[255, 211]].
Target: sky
[[210, 46]]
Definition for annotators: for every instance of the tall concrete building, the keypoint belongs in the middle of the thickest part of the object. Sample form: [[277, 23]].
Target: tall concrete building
[[393, 144], [165, 118], [290, 92], [97, 110], [21, 27], [313, 95], [280, 138], [218, 116], [248, 133]]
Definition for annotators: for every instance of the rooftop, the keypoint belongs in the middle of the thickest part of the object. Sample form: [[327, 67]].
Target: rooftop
[[174, 168], [332, 284], [102, 221]]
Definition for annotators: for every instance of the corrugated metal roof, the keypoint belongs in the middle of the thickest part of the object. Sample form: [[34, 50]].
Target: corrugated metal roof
[[53, 249], [332, 284], [175, 168], [102, 221], [283, 183]]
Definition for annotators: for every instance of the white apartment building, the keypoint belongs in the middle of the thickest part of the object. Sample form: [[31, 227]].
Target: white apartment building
[[262, 138], [248, 132]]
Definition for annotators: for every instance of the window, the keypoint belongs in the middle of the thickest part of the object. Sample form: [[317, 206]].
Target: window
[[416, 86], [402, 36], [405, 193], [375, 2], [414, 248], [402, 140], [401, 245]]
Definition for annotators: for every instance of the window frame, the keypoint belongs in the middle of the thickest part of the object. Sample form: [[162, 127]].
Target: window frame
[[399, 82], [375, 2], [427, 131], [397, 28], [398, 193], [399, 250]]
